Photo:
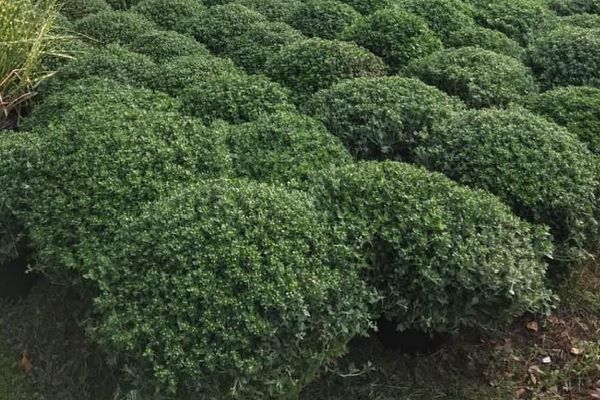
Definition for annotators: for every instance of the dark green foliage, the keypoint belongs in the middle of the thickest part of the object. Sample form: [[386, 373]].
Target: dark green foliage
[[536, 166], [518, 19], [261, 41], [575, 107], [76, 9], [122, 4], [113, 62], [381, 118], [176, 15], [326, 19], [176, 75], [113, 27], [314, 64], [480, 77], [162, 46], [589, 21], [273, 10], [245, 297], [369, 6], [395, 35], [94, 169], [234, 97], [221, 23], [442, 256], [444, 17], [283, 147], [487, 39], [79, 93], [567, 55], [570, 7]]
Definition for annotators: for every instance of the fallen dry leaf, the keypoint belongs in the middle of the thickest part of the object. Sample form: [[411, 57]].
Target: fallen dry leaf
[[546, 360], [25, 363], [532, 326], [576, 351], [534, 369], [520, 392], [595, 394]]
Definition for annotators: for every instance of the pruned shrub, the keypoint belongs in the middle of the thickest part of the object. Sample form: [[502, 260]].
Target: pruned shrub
[[381, 118], [113, 27], [122, 4], [576, 107], [77, 9], [163, 46], [95, 169], [487, 39], [247, 296], [261, 41], [234, 97], [176, 75], [481, 78], [283, 147], [567, 55], [570, 7], [273, 10], [395, 35], [369, 6], [588, 21], [444, 17], [441, 255], [175, 15], [314, 64], [518, 19], [544, 172], [221, 23], [326, 19]]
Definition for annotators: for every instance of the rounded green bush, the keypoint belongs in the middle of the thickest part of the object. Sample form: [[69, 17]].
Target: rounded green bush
[[77, 9], [234, 97], [273, 10], [381, 118], [487, 39], [540, 169], [221, 23], [261, 41], [576, 107], [95, 169], [369, 6], [283, 147], [176, 15], [570, 7], [113, 27], [314, 64], [518, 19], [566, 56], [588, 21], [444, 17], [481, 78], [395, 35], [81, 92], [326, 19], [122, 4], [176, 75], [163, 46], [442, 256], [246, 297]]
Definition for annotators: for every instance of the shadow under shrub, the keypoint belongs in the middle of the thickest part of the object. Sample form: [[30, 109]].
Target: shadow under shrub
[[227, 290]]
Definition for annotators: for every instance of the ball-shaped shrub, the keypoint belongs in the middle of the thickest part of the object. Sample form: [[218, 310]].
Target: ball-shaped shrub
[[443, 16], [326, 19], [481, 78], [539, 168], [261, 41], [176, 15], [113, 27], [176, 75], [518, 19], [570, 7], [96, 168], [163, 46], [314, 64], [283, 147], [369, 6], [234, 97], [122, 4], [221, 23], [381, 118], [588, 21], [395, 35], [442, 256], [567, 55], [76, 9], [487, 39], [576, 107], [245, 297], [273, 10]]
